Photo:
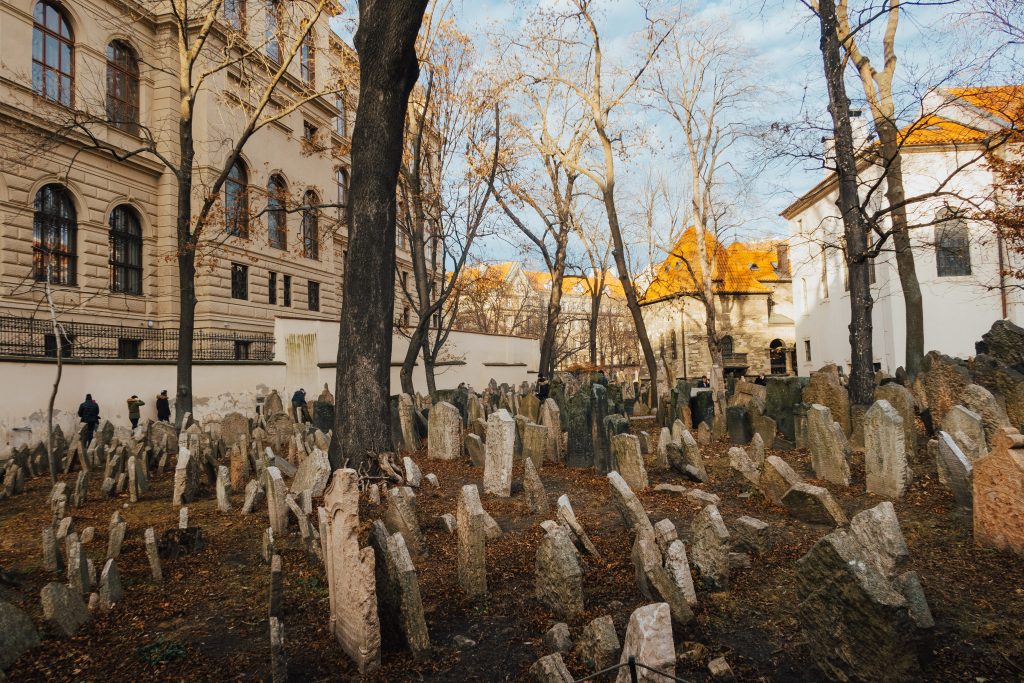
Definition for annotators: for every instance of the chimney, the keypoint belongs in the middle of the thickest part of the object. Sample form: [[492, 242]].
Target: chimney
[[828, 155], [860, 129], [782, 256]]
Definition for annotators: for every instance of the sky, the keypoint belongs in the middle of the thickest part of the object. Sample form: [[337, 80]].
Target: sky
[[781, 37]]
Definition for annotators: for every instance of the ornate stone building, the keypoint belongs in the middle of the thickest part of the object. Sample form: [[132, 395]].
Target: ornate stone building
[[83, 86], [753, 301]]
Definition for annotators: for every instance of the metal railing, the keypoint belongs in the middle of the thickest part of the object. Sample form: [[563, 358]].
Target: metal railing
[[634, 667], [34, 338], [734, 360]]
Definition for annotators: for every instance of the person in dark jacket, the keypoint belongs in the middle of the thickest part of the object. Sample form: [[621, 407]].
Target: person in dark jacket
[[704, 382], [761, 380], [163, 407], [89, 413], [299, 405], [134, 403], [543, 386]]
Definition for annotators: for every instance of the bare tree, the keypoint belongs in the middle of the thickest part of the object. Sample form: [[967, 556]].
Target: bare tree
[[565, 47], [446, 185], [386, 44], [701, 81]]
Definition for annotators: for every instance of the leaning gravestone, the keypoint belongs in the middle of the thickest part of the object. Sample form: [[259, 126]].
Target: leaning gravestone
[[17, 634], [398, 593], [902, 399], [350, 574], [966, 428], [862, 615], [828, 446], [958, 471], [649, 640], [551, 421], [470, 520], [629, 462], [824, 389], [559, 577], [739, 424], [581, 440], [885, 459]]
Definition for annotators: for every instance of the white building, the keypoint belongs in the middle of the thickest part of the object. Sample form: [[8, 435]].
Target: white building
[[960, 262]]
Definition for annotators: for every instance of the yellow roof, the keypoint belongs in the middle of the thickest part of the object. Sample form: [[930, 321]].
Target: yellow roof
[[1003, 102], [737, 268]]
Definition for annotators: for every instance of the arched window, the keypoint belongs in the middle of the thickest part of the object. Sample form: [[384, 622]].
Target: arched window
[[273, 30], [311, 225], [53, 50], [307, 59], [54, 236], [122, 87], [277, 215], [125, 251], [725, 343], [952, 246], [234, 12], [236, 200], [778, 353]]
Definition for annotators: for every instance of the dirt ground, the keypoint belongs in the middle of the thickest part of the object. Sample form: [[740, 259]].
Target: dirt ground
[[208, 620]]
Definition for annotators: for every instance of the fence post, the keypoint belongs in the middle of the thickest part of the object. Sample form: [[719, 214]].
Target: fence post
[[632, 669]]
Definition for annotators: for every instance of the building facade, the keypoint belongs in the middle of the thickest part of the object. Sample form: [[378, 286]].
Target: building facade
[[752, 293], [83, 87], [960, 261]]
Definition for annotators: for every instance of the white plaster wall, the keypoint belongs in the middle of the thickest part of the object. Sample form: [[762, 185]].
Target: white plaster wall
[[218, 388], [957, 310]]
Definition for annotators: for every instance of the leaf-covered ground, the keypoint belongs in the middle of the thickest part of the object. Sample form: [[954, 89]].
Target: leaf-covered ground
[[208, 620]]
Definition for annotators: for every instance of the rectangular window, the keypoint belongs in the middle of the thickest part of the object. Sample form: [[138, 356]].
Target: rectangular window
[[308, 131], [242, 350], [313, 295], [272, 288], [239, 281], [807, 350], [128, 348], [273, 30], [50, 346], [340, 124], [287, 290], [234, 12]]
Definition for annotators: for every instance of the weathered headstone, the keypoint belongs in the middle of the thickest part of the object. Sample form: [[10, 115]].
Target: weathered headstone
[[444, 434], [63, 609], [901, 398], [550, 669], [709, 547], [399, 605], [550, 419], [958, 471], [567, 518], [813, 504], [17, 634], [402, 517], [110, 589], [186, 478], [999, 494], [649, 640], [498, 455], [223, 489], [350, 574], [533, 487], [559, 577], [885, 459], [598, 645], [277, 505], [472, 538], [629, 462], [739, 424], [628, 505], [824, 389], [153, 555], [578, 421], [312, 474], [828, 446], [966, 428], [861, 614]]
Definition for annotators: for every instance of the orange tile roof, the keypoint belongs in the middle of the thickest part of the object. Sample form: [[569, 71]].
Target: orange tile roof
[[737, 268], [935, 130], [1004, 103]]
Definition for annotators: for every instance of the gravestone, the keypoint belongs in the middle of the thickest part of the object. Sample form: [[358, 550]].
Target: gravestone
[[550, 419], [350, 574], [475, 449], [902, 400], [63, 609], [17, 634], [649, 640], [559, 577], [998, 489], [781, 395], [958, 471], [535, 443], [470, 520], [885, 459], [578, 422], [567, 518], [709, 547], [739, 424], [966, 428], [402, 517], [629, 506], [629, 462], [828, 446], [399, 605], [824, 389], [533, 487], [312, 474], [499, 454], [444, 434], [598, 645]]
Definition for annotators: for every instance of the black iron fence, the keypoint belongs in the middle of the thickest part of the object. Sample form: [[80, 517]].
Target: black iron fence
[[35, 338]]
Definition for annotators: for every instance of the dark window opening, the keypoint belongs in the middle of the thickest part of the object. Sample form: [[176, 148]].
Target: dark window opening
[[952, 248], [53, 62], [313, 295], [234, 12], [125, 251], [807, 350], [273, 29], [236, 200], [311, 225], [287, 290], [272, 288], [122, 87], [277, 214], [128, 348], [67, 345], [242, 350], [307, 59], [308, 132], [239, 281]]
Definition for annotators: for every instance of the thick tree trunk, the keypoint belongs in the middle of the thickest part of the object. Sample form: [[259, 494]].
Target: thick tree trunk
[[862, 376], [896, 196], [595, 320], [428, 363], [386, 44], [186, 274]]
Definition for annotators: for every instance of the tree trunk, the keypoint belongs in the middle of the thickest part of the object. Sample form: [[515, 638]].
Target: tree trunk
[[186, 274], [409, 362], [59, 337], [428, 363], [862, 376], [386, 44], [896, 196], [595, 320], [632, 302], [547, 347]]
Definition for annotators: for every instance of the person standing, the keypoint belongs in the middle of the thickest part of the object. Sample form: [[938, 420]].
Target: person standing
[[89, 414], [299, 405], [163, 407], [543, 387], [134, 403], [761, 380]]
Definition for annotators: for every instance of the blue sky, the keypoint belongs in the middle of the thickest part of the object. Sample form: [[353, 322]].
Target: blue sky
[[781, 36]]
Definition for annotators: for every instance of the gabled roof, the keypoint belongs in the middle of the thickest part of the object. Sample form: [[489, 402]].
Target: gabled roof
[[737, 268]]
